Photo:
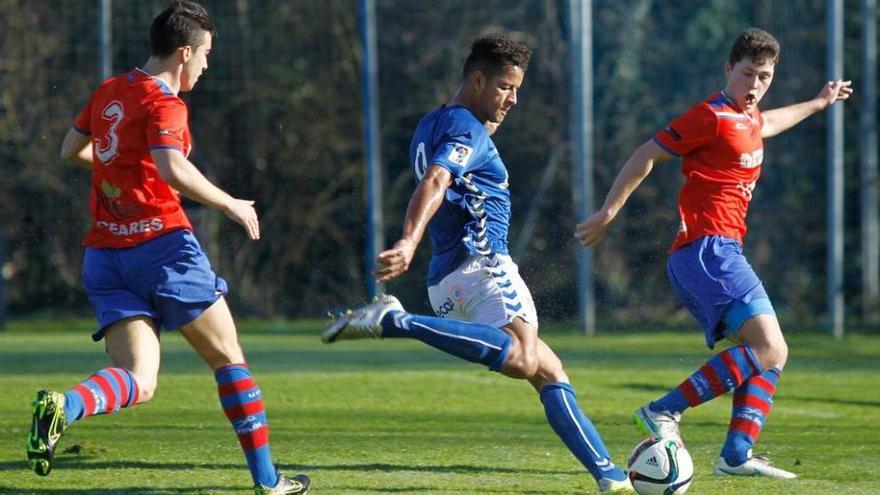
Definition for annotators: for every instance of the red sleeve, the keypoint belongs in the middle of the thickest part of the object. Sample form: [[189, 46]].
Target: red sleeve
[[166, 124], [696, 127], [83, 120]]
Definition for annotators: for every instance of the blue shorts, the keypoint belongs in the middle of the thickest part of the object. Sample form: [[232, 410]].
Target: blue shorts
[[712, 278], [168, 279]]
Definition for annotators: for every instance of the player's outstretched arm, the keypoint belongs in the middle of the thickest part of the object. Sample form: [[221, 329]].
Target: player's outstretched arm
[[181, 174], [77, 148], [781, 119], [425, 202], [634, 171]]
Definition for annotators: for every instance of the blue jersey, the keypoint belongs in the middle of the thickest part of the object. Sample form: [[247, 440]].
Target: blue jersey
[[475, 215]]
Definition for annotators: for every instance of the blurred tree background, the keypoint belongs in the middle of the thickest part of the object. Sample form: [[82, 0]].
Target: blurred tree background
[[277, 118]]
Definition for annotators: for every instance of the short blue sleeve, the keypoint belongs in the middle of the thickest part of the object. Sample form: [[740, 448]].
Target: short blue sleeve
[[460, 148]]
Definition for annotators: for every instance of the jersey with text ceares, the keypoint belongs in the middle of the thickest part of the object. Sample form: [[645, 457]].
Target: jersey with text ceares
[[722, 152], [128, 116]]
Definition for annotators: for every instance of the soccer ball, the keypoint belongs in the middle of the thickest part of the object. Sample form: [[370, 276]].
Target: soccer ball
[[661, 466]]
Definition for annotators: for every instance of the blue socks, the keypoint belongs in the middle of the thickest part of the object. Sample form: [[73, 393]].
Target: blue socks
[[489, 345], [578, 432], [472, 342]]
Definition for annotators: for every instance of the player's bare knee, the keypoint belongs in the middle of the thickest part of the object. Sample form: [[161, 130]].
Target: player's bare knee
[[553, 372], [773, 354], [530, 364], [778, 355], [146, 387], [520, 363], [518, 368], [222, 354]]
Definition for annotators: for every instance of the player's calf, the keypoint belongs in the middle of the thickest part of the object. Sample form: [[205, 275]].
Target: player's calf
[[521, 363], [385, 318]]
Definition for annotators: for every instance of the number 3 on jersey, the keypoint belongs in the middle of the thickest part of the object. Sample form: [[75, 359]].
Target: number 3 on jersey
[[107, 147]]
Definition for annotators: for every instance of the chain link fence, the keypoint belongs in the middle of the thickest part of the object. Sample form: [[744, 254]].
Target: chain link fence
[[277, 118]]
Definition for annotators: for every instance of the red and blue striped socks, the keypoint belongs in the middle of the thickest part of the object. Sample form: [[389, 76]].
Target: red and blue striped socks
[[752, 402], [243, 404], [105, 392], [723, 372]]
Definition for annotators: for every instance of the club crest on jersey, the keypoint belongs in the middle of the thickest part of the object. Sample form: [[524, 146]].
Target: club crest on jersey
[[460, 154]]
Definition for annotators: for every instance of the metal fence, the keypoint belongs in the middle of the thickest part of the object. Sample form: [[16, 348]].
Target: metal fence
[[278, 118]]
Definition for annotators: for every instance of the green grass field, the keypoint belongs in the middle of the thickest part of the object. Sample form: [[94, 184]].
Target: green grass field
[[399, 417]]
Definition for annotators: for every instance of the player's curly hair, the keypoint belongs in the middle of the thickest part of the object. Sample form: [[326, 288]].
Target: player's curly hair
[[491, 53], [755, 44], [181, 24]]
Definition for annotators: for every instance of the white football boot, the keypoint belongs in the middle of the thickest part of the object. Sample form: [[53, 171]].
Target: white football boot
[[657, 424], [612, 487], [297, 485], [363, 322], [757, 465]]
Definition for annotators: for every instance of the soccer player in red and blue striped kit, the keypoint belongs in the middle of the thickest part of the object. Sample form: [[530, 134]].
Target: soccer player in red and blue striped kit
[[721, 143], [143, 269]]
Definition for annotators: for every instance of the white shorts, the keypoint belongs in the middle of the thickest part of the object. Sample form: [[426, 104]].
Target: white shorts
[[484, 290]]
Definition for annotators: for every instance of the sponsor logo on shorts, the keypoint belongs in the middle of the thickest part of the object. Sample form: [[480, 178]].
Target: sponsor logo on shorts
[[457, 294], [445, 308]]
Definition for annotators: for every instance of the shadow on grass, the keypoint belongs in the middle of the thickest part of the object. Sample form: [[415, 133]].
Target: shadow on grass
[[826, 400], [86, 463], [482, 489], [451, 468], [646, 387]]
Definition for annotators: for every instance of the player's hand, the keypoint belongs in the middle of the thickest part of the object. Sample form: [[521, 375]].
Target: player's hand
[[592, 231], [242, 212], [394, 261], [835, 91]]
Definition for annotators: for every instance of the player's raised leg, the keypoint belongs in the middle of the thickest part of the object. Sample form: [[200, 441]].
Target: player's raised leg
[[753, 400], [723, 372], [133, 347], [713, 279], [572, 426], [386, 318], [213, 335]]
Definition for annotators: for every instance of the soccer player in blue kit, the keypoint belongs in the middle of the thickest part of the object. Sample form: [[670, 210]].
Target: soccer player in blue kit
[[485, 312]]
